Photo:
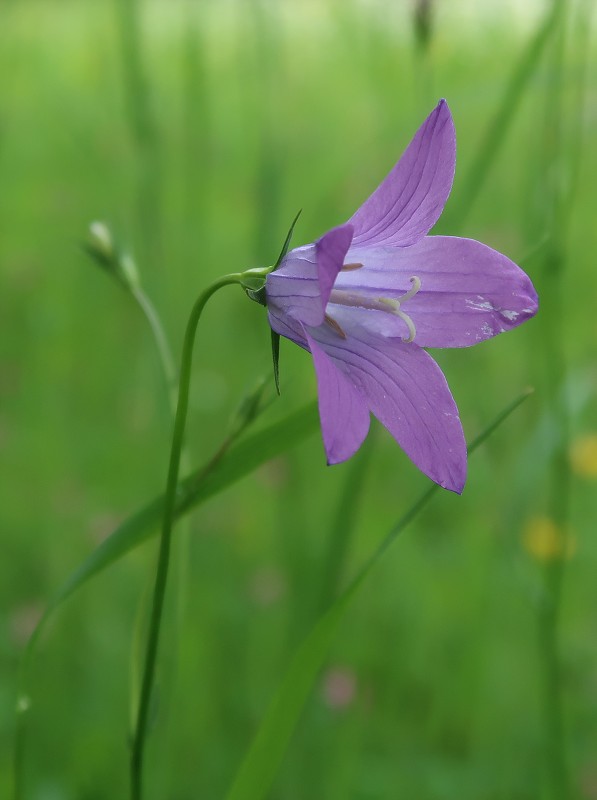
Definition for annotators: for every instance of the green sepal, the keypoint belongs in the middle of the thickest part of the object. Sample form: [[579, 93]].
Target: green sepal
[[286, 244], [253, 282], [254, 286], [276, 358], [253, 279], [258, 295], [104, 260]]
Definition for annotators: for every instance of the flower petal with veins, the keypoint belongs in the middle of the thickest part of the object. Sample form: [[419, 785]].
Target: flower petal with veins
[[409, 201], [469, 292], [365, 327]]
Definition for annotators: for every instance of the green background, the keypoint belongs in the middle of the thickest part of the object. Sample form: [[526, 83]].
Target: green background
[[197, 130]]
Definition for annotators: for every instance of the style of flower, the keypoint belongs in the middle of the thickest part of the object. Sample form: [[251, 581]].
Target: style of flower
[[369, 295]]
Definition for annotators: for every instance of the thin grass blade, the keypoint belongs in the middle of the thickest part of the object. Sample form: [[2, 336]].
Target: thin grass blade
[[521, 75], [227, 467], [259, 768]]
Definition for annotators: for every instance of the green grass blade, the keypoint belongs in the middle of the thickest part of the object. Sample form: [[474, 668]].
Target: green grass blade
[[227, 467], [218, 474], [144, 131], [260, 766], [344, 524], [521, 75]]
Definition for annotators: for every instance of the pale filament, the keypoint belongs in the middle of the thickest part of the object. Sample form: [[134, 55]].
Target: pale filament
[[391, 305]]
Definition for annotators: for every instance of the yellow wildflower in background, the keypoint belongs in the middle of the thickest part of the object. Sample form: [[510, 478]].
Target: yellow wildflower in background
[[583, 455], [545, 541]]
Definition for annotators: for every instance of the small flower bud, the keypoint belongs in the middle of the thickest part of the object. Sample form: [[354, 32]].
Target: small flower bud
[[101, 246], [100, 238]]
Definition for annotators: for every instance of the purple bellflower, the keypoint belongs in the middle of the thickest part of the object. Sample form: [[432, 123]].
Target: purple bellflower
[[369, 295]]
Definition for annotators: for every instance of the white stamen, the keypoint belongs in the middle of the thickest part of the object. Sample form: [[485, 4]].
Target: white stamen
[[416, 285], [394, 306], [412, 331], [389, 304]]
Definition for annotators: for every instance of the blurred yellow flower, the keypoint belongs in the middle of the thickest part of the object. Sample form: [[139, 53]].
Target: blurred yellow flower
[[545, 541], [583, 455]]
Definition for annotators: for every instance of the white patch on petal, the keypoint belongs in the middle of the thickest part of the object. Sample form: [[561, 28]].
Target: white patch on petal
[[511, 315], [480, 305]]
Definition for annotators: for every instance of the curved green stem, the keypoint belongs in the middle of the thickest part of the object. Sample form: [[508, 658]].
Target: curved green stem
[[170, 374], [159, 591]]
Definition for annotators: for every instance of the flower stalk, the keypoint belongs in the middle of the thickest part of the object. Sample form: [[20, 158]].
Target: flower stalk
[[159, 592]]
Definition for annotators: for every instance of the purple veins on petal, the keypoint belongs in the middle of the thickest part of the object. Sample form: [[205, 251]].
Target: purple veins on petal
[[408, 393], [469, 292], [294, 288], [302, 284], [342, 409], [330, 251], [331, 322], [408, 203]]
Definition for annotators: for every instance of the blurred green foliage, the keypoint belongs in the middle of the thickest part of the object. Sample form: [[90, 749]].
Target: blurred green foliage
[[197, 130]]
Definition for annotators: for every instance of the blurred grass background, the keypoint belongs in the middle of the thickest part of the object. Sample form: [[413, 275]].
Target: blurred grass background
[[197, 130]]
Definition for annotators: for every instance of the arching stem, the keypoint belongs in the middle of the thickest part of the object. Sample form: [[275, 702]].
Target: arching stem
[[161, 578]]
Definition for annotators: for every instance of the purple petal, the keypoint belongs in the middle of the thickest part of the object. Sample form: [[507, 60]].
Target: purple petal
[[469, 292], [331, 250], [301, 286], [407, 204], [293, 288], [343, 411], [407, 392], [287, 326]]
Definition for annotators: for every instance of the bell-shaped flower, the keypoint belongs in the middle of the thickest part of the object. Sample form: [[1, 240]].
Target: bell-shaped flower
[[369, 295]]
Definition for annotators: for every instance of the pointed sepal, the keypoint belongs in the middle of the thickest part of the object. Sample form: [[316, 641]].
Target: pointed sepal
[[287, 241]]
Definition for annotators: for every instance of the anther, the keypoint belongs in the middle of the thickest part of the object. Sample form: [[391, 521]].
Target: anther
[[334, 326], [350, 267]]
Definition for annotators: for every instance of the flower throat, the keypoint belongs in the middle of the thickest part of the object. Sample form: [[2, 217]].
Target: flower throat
[[387, 304]]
